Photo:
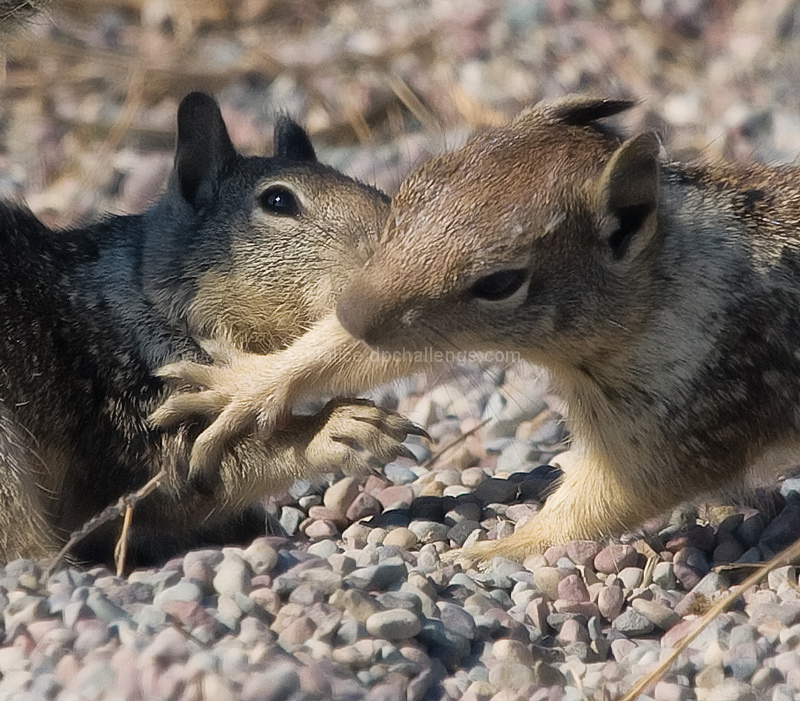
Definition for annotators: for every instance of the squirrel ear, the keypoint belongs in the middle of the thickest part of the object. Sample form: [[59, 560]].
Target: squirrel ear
[[581, 111], [204, 148], [628, 192], [291, 141]]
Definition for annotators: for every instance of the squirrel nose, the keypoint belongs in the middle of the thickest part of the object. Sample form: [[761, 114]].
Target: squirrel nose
[[354, 316], [350, 315]]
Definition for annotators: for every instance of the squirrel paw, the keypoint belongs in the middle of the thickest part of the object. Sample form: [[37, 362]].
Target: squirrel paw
[[480, 555], [359, 438], [234, 391], [216, 387]]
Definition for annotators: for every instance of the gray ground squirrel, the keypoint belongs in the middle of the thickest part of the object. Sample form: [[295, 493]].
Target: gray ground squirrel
[[246, 252], [663, 297]]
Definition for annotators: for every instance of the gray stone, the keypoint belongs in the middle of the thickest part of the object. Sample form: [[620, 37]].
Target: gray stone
[[379, 577], [462, 530], [105, 610], [399, 600], [782, 531], [394, 624], [233, 575], [514, 456], [632, 623], [24, 610], [429, 531], [494, 490], [280, 682], [321, 579], [341, 494], [661, 616], [290, 520], [457, 620], [712, 583], [664, 575], [690, 566], [631, 577], [731, 690], [323, 549], [783, 692], [672, 691], [445, 645], [185, 590], [787, 613], [399, 474], [150, 617], [743, 660], [261, 556], [610, 601], [349, 631]]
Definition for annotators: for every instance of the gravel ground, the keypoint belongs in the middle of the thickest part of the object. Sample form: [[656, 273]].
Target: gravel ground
[[353, 601]]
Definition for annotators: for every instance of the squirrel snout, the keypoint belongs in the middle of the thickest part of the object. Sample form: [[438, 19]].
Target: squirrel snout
[[355, 318]]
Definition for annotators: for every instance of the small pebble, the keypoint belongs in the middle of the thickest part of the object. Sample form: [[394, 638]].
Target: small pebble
[[394, 624]]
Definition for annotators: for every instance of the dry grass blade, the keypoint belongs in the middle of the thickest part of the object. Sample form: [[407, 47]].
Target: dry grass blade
[[474, 112], [414, 104], [786, 556], [435, 458], [108, 514]]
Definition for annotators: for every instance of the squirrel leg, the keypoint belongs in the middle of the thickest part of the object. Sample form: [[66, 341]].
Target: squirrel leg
[[24, 528], [592, 501], [260, 390]]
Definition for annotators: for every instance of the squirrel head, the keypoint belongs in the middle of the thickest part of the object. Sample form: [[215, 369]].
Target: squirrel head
[[254, 247], [531, 237]]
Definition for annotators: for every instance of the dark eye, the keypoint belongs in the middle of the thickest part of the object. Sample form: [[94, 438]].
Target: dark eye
[[279, 200], [499, 285]]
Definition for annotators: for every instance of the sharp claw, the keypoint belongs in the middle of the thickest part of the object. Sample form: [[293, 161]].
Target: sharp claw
[[403, 452], [415, 430]]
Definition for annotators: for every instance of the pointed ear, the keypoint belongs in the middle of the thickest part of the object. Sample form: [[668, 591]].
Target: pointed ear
[[582, 111], [204, 149], [292, 142], [628, 192]]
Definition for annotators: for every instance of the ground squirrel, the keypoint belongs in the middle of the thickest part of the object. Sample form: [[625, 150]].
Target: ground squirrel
[[663, 297], [243, 252]]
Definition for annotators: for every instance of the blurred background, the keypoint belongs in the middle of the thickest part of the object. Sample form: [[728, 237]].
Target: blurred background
[[90, 88]]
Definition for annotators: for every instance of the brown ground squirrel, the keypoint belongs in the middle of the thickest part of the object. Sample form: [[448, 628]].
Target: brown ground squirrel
[[245, 251], [663, 297]]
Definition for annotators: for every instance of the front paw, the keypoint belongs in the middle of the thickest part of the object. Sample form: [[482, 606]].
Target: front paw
[[214, 392], [478, 556], [358, 437], [240, 393]]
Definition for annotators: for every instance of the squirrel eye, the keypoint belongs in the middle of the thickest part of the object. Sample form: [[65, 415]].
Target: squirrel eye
[[279, 200], [499, 285]]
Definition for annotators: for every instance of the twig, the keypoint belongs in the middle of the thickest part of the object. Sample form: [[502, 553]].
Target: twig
[[121, 551], [786, 556], [434, 458], [106, 515]]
